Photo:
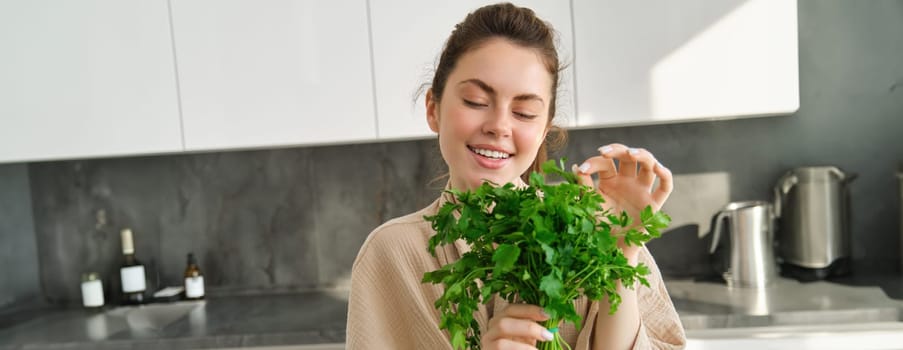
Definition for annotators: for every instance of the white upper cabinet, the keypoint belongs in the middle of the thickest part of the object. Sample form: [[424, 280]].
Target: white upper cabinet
[[408, 37], [94, 78], [273, 73], [652, 61], [86, 78]]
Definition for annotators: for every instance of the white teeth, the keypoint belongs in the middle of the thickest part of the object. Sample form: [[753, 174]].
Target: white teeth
[[490, 153]]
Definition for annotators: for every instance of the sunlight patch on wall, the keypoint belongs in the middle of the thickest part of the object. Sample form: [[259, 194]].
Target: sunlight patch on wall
[[732, 66]]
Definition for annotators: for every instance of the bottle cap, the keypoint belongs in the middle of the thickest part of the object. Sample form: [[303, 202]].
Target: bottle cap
[[128, 246], [191, 259], [90, 276]]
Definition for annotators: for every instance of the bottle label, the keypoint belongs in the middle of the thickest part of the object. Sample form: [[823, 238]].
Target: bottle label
[[132, 279], [92, 293], [194, 287]]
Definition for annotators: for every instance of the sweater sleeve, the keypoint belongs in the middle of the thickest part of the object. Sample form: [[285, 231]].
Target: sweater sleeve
[[388, 307], [660, 326]]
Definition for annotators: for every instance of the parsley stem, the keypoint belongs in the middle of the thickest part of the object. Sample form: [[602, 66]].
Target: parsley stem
[[557, 340]]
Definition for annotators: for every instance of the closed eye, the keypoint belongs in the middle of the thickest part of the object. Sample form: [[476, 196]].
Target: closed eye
[[525, 116], [474, 104]]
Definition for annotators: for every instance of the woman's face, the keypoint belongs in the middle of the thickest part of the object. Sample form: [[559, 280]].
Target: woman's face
[[493, 114]]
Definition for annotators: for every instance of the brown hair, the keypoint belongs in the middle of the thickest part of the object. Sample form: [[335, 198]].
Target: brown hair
[[520, 26]]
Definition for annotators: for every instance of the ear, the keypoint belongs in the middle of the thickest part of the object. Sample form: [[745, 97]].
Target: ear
[[432, 111]]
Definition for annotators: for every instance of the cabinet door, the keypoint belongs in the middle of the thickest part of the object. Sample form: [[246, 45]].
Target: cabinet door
[[85, 79], [650, 61], [408, 37], [274, 72]]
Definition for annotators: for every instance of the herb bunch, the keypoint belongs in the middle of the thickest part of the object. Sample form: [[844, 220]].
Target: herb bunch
[[543, 244]]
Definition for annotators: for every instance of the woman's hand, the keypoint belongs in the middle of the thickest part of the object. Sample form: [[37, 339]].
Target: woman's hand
[[625, 187], [516, 327]]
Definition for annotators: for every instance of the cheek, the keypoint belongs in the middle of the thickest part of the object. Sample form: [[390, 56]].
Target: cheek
[[532, 136], [458, 122]]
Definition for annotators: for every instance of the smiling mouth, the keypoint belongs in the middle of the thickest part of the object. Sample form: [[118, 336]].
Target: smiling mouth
[[490, 153]]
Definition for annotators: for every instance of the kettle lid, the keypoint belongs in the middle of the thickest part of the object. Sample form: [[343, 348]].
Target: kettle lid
[[745, 204], [820, 174]]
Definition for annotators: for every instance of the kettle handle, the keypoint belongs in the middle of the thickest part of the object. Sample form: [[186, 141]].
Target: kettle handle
[[785, 183], [716, 234]]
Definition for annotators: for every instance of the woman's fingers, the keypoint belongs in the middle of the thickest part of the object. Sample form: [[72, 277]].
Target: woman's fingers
[[528, 311], [605, 167], [516, 330], [628, 159], [665, 184], [584, 179], [632, 162], [647, 164], [516, 324], [624, 155]]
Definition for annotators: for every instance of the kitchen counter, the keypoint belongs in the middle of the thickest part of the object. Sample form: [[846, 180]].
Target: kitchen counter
[[319, 317], [848, 313], [218, 322], [711, 304]]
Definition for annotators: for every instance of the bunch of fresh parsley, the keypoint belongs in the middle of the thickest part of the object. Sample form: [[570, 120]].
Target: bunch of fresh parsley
[[542, 244]]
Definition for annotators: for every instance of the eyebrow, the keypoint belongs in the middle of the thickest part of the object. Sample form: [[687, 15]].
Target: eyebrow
[[489, 90]]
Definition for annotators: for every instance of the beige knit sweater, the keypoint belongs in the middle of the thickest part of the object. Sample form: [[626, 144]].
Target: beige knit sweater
[[389, 308]]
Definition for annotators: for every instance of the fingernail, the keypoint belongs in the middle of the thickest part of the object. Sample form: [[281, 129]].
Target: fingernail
[[574, 169], [584, 167], [633, 151], [547, 335], [543, 311], [605, 149]]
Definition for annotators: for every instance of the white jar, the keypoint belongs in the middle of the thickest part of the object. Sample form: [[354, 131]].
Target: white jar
[[92, 290]]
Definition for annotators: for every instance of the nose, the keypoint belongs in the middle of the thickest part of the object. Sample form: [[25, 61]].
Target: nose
[[498, 122]]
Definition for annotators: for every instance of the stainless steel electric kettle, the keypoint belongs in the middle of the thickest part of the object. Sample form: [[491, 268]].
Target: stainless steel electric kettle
[[813, 233], [751, 261]]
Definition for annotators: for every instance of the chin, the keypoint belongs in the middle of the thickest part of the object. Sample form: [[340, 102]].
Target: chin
[[497, 180]]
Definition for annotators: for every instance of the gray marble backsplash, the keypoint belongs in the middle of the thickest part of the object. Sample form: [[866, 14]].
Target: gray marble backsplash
[[289, 218], [19, 282]]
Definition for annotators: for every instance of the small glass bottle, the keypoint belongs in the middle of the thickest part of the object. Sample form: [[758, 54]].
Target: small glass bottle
[[194, 279], [92, 290], [131, 273]]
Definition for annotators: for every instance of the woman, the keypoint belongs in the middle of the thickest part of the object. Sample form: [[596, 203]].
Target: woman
[[492, 102]]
